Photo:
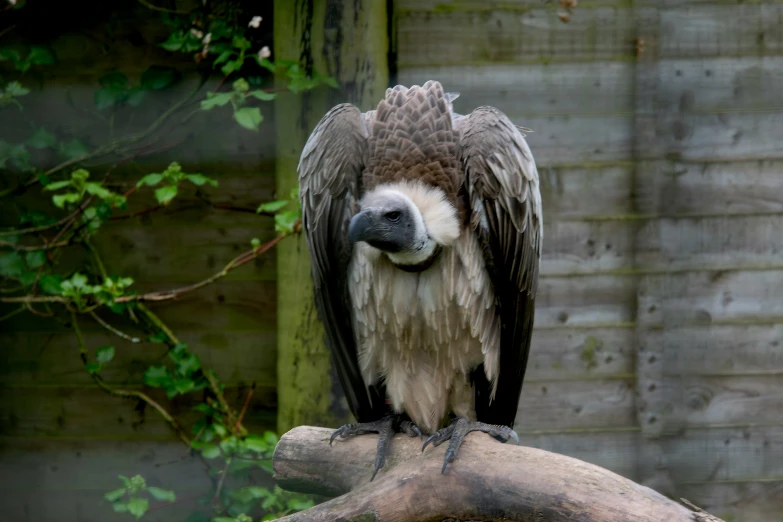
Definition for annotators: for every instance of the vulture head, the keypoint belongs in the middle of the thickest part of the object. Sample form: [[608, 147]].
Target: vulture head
[[407, 222]]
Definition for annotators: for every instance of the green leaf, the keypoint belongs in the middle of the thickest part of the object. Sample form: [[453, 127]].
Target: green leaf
[[208, 450], [57, 185], [164, 195], [40, 55], [92, 368], [135, 97], [150, 180], [74, 149], [113, 496], [241, 85], [162, 494], [230, 67], [138, 506], [188, 364], [200, 179], [264, 96], [105, 354], [50, 283], [299, 504], [42, 139], [16, 89], [157, 376], [267, 64], [174, 42], [225, 55], [249, 117], [35, 259], [240, 42], [109, 96], [216, 100], [78, 280], [60, 200], [120, 507], [11, 265], [255, 242], [113, 79], [156, 78], [256, 443], [285, 221], [271, 206]]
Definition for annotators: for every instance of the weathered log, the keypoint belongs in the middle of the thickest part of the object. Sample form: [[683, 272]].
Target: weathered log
[[487, 481]]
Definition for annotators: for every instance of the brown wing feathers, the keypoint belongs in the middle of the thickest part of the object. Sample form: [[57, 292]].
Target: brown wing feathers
[[412, 138]]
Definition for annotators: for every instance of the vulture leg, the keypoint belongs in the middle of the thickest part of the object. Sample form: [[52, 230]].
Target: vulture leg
[[385, 427], [456, 432]]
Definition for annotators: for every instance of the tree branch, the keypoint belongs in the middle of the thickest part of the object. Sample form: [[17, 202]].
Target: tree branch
[[487, 481]]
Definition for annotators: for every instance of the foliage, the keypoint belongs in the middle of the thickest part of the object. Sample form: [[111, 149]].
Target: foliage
[[129, 499], [43, 268]]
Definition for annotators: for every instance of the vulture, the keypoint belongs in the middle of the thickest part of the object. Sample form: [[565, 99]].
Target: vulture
[[424, 231]]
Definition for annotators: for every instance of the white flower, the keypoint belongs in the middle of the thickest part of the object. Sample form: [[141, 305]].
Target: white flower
[[264, 53], [12, 2], [198, 34], [207, 39], [255, 22]]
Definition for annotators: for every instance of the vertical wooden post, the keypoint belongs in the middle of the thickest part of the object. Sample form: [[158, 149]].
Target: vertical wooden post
[[348, 41]]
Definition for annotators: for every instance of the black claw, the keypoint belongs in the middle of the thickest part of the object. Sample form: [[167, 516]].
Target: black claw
[[385, 427], [429, 439], [457, 431]]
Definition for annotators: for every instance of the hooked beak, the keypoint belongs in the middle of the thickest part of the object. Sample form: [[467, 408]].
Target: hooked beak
[[360, 225]]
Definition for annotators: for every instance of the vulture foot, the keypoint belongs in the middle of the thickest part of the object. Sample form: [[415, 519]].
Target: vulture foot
[[385, 427], [456, 432]]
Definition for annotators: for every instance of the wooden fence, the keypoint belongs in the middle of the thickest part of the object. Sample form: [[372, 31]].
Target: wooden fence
[[657, 350]]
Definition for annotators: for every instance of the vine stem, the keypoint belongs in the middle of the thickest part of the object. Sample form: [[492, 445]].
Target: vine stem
[[166, 295], [128, 394]]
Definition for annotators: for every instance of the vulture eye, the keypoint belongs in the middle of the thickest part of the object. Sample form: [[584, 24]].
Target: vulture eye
[[393, 216]]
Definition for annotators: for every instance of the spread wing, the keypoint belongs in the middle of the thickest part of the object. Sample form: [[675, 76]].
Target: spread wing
[[330, 172], [505, 205]]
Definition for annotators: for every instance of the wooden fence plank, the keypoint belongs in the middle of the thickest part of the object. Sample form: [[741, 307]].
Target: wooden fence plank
[[92, 413], [49, 359], [717, 350], [721, 84], [717, 454], [741, 501], [585, 301], [534, 35], [535, 89], [673, 300], [710, 243], [580, 354], [720, 30], [742, 187], [576, 405]]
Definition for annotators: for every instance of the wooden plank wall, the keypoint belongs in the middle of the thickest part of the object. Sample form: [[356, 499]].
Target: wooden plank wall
[[656, 128], [62, 440]]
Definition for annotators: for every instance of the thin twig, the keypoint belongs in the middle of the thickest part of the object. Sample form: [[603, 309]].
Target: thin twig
[[214, 385], [112, 329], [161, 9], [244, 407], [12, 313], [26, 248], [129, 394], [166, 295], [46, 227]]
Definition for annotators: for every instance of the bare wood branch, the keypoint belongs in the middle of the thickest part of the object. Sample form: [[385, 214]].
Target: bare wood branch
[[487, 481]]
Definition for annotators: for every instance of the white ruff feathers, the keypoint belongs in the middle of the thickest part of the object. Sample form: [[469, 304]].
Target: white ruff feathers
[[423, 332]]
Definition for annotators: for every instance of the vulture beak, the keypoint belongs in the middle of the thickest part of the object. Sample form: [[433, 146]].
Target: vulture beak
[[361, 226]]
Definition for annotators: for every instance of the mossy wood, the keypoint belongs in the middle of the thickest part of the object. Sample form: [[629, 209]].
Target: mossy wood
[[348, 41]]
